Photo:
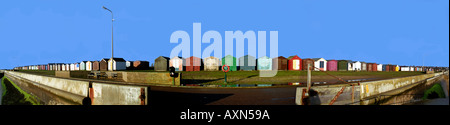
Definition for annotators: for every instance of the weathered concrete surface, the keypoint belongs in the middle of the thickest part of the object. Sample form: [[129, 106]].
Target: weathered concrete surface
[[322, 95], [366, 89], [113, 94], [150, 77], [374, 88], [72, 74], [403, 95], [64, 74]]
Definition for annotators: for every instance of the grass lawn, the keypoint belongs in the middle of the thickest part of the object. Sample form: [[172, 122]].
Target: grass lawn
[[13, 95]]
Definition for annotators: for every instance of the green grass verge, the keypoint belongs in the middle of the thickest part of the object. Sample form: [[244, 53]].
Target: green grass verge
[[15, 95], [434, 92], [3, 88]]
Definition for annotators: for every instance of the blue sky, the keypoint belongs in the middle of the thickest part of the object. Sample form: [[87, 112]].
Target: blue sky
[[404, 32]]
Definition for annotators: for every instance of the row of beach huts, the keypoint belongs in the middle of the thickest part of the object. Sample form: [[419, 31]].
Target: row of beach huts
[[245, 63]]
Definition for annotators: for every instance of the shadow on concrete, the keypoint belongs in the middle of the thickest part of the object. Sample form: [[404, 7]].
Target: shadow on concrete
[[177, 98], [313, 98], [244, 78], [198, 81]]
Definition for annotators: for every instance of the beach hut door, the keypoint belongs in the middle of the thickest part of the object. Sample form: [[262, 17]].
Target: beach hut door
[[296, 64]]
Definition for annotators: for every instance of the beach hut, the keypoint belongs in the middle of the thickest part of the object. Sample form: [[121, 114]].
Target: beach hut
[[177, 63], [51, 66], [280, 63], [374, 67], [83, 65], [305, 63], [350, 65], [343, 65], [380, 67], [404, 68], [332, 65], [162, 63], [77, 66], [141, 65], [193, 63], [356, 65], [420, 69], [64, 67], [103, 64], [392, 68], [294, 63], [57, 67], [369, 66], [411, 68], [247, 63], [129, 65], [212, 63], [89, 65], [95, 65], [363, 66], [388, 67], [115, 64], [72, 67], [230, 61], [264, 63], [320, 64]]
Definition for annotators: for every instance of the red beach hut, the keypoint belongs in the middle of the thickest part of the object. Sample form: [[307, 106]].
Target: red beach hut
[[193, 63], [295, 63]]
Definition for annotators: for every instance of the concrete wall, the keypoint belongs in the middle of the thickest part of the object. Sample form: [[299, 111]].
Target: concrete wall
[[323, 95], [366, 89], [71, 86], [72, 74], [64, 74], [376, 87], [113, 94], [150, 77], [77, 90]]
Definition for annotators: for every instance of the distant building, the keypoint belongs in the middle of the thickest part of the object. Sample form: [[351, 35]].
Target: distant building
[[264, 63], [104, 64], [280, 63], [247, 63], [294, 63], [141, 65], [115, 64], [212, 63], [230, 61], [162, 63], [177, 63], [320, 64], [193, 63]]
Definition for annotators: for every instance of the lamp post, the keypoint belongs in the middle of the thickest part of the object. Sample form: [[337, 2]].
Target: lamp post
[[112, 28]]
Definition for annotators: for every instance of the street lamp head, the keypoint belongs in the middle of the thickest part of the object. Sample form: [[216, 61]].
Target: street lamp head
[[106, 9]]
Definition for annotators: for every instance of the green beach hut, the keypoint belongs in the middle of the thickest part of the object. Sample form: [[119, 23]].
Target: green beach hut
[[230, 61]]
